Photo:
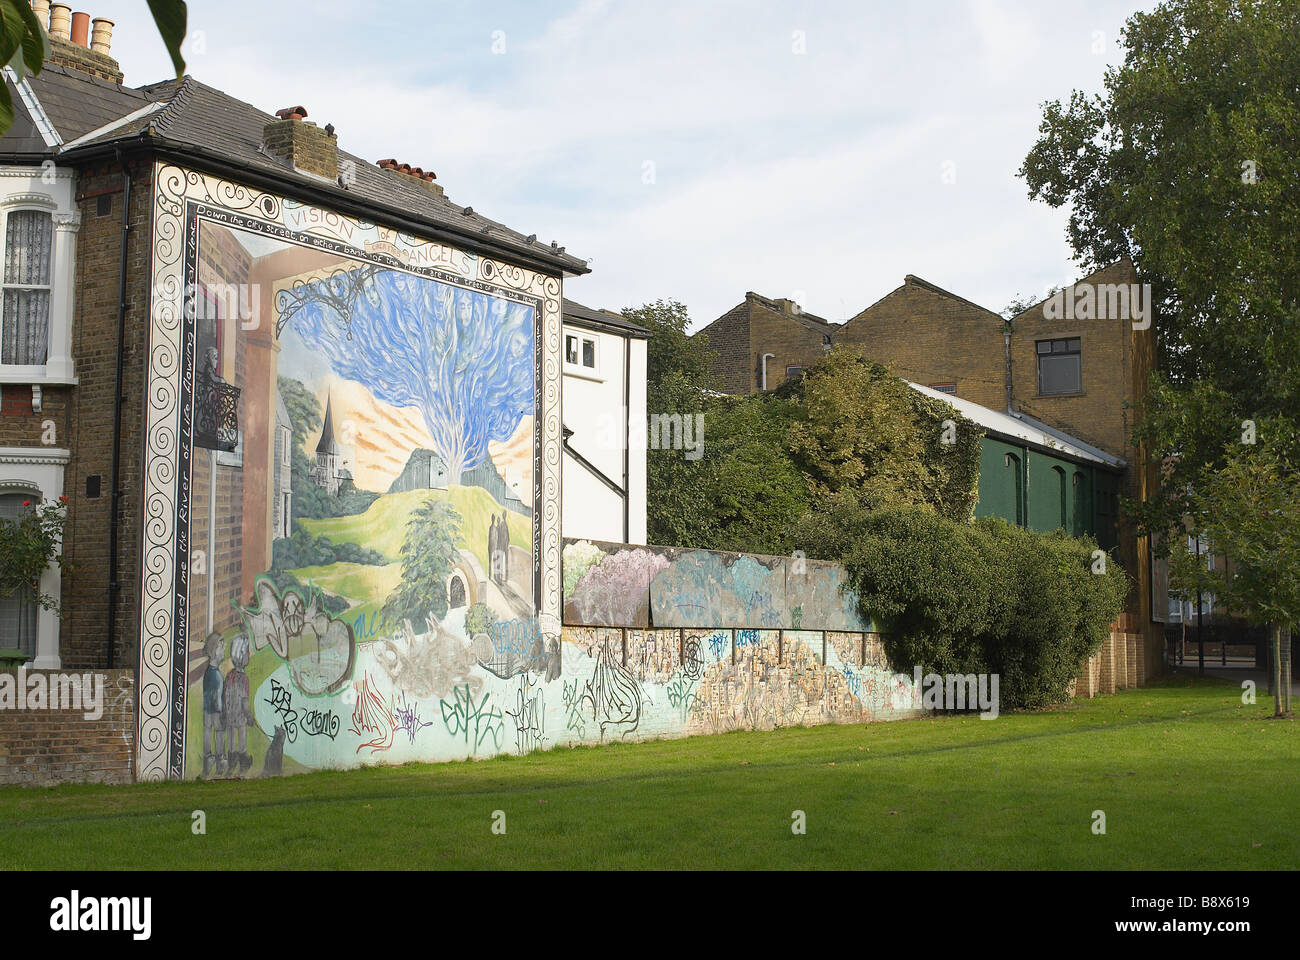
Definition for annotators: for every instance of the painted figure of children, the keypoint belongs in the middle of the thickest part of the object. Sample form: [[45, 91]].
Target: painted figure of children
[[236, 710], [214, 648]]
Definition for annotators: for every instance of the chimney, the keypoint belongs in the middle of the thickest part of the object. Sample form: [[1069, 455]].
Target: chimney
[[60, 21], [306, 146], [101, 35], [73, 43], [424, 178], [81, 29], [42, 10]]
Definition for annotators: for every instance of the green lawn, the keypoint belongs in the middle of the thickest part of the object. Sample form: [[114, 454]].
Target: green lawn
[[1188, 777]]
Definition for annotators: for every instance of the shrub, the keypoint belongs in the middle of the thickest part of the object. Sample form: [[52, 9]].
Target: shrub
[[301, 549], [983, 597]]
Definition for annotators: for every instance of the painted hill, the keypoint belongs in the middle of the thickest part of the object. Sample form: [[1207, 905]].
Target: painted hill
[[382, 526], [425, 470]]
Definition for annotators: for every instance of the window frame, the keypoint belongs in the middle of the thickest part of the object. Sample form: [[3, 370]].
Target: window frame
[[47, 190], [578, 368], [28, 205], [39, 470], [1075, 351]]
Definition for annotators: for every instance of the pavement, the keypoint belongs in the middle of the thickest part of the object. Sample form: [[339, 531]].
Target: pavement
[[1236, 674]]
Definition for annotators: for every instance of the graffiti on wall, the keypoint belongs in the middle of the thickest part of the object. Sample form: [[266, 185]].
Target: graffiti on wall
[[631, 586]]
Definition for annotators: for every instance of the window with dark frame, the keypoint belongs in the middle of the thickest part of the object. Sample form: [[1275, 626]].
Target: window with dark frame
[[1060, 366]]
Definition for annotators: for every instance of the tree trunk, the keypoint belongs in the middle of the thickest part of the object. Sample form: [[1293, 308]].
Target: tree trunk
[[1275, 666], [1284, 668]]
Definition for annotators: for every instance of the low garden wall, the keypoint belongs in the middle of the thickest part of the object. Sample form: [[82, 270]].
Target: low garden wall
[[47, 737]]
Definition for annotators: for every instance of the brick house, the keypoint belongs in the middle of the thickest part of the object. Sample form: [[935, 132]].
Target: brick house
[[1076, 363], [760, 343]]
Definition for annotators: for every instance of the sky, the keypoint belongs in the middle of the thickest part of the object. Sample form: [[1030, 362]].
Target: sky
[[694, 149]]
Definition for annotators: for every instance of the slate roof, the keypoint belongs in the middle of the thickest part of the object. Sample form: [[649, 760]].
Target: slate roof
[[586, 316], [201, 122]]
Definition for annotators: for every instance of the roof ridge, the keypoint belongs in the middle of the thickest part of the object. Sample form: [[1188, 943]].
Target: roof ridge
[[175, 104], [935, 288]]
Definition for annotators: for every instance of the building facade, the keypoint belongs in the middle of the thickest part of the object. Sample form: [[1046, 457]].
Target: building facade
[[604, 466], [309, 417]]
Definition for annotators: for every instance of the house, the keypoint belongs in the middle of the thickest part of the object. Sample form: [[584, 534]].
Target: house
[[1074, 365], [760, 343], [604, 376]]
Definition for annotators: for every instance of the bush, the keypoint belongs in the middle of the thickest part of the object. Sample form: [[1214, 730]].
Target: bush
[[301, 549], [479, 619], [983, 597]]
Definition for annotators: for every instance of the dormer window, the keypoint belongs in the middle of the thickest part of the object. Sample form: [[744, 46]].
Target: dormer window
[[25, 317]]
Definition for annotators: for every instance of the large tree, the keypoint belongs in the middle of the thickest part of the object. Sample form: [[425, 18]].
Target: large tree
[[1187, 165]]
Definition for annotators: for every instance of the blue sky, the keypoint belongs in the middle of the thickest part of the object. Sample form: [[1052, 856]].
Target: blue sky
[[688, 149]]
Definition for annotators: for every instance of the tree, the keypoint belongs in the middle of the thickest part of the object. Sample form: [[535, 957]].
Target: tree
[[462, 358], [671, 351], [860, 433], [1249, 511], [678, 383], [429, 553], [1187, 166], [24, 44]]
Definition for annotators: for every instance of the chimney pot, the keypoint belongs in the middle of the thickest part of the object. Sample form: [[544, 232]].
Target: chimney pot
[[101, 35], [42, 10], [60, 21], [292, 113], [81, 29]]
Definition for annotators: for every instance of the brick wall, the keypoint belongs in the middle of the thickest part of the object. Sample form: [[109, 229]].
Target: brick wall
[[90, 420], [930, 336], [48, 747], [742, 335]]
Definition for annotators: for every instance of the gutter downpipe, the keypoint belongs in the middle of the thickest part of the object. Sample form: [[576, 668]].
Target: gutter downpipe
[[627, 439], [114, 586], [765, 359]]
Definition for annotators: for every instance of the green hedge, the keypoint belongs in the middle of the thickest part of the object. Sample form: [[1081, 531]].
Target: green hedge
[[982, 597]]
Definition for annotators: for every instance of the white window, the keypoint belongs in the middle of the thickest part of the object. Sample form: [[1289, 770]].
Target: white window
[[25, 317], [580, 351], [38, 230]]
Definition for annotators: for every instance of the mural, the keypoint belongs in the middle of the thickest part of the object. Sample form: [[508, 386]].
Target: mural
[[352, 549]]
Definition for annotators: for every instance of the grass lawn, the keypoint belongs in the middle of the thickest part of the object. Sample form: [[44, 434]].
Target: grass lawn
[[1188, 778]]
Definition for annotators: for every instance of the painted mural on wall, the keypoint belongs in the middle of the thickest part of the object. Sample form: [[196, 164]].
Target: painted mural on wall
[[610, 584], [352, 552], [351, 490]]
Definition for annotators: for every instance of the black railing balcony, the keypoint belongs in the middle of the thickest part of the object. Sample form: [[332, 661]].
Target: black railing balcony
[[216, 414]]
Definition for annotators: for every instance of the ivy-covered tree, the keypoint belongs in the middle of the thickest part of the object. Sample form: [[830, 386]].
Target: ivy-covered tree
[[429, 553]]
